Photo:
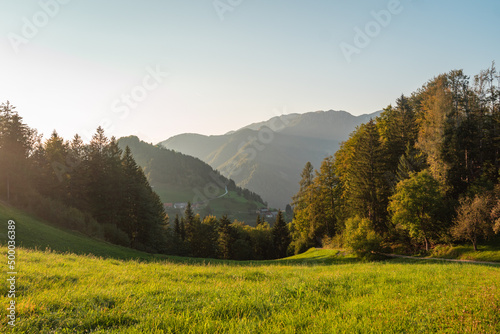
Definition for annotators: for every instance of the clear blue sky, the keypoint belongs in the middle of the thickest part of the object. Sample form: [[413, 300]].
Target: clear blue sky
[[246, 62]]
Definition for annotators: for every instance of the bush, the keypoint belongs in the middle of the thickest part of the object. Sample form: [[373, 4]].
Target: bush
[[360, 238], [445, 251], [61, 215], [335, 242], [116, 236], [299, 246]]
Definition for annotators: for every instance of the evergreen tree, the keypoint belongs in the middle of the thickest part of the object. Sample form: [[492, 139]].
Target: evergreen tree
[[16, 145], [177, 227], [208, 232], [189, 223], [226, 238], [258, 221], [281, 236], [328, 197], [367, 185], [53, 180], [304, 221], [304, 195], [183, 230]]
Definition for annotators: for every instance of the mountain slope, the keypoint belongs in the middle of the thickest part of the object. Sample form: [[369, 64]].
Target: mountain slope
[[178, 178], [267, 157]]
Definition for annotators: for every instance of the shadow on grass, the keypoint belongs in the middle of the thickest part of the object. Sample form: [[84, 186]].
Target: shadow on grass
[[312, 257], [437, 261]]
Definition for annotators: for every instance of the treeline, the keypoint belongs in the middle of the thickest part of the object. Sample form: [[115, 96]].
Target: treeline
[[93, 188], [99, 190], [425, 171], [219, 238]]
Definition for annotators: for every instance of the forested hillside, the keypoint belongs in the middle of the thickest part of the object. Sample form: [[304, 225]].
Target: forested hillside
[[426, 171], [267, 157], [94, 188], [177, 177]]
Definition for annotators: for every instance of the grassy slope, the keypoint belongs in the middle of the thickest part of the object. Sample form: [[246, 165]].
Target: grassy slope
[[487, 252], [32, 233], [317, 292]]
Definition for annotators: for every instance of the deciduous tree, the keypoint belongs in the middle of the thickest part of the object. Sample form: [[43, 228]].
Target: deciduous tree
[[415, 206]]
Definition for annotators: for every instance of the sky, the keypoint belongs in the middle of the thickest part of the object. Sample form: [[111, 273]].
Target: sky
[[159, 68]]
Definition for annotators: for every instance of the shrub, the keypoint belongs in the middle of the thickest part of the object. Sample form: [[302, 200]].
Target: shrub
[[116, 236], [299, 246], [361, 238]]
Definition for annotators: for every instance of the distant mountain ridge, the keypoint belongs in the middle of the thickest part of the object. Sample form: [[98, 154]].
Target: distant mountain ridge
[[267, 157]]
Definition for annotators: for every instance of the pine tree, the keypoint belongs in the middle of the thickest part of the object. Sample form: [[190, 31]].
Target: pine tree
[[281, 236], [328, 193], [226, 238], [367, 184], [189, 223], [258, 221], [54, 172], [304, 209], [16, 144], [301, 199], [183, 230], [177, 227]]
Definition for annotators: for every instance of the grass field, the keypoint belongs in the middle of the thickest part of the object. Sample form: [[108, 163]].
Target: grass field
[[320, 291]]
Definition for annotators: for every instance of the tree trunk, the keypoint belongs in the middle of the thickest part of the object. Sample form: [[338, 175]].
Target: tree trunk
[[426, 244]]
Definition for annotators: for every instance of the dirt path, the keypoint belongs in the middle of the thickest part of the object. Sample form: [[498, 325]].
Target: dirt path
[[439, 259]]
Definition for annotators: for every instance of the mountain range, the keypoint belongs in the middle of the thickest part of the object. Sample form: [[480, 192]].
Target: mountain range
[[268, 157]]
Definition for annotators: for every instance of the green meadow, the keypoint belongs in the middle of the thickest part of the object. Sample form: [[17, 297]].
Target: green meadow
[[319, 292], [102, 288]]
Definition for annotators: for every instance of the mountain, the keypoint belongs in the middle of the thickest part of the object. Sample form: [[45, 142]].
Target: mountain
[[180, 178], [268, 157]]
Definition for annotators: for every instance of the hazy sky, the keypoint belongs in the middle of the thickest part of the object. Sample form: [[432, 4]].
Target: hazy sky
[[159, 68]]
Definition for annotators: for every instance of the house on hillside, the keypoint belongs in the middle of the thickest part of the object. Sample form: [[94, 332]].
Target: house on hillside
[[168, 205], [180, 206], [271, 215]]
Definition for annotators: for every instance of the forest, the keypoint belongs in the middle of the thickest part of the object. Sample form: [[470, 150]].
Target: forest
[[425, 172], [99, 190]]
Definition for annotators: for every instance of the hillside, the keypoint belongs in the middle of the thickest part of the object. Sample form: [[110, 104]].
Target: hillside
[[179, 178], [267, 157], [33, 233]]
